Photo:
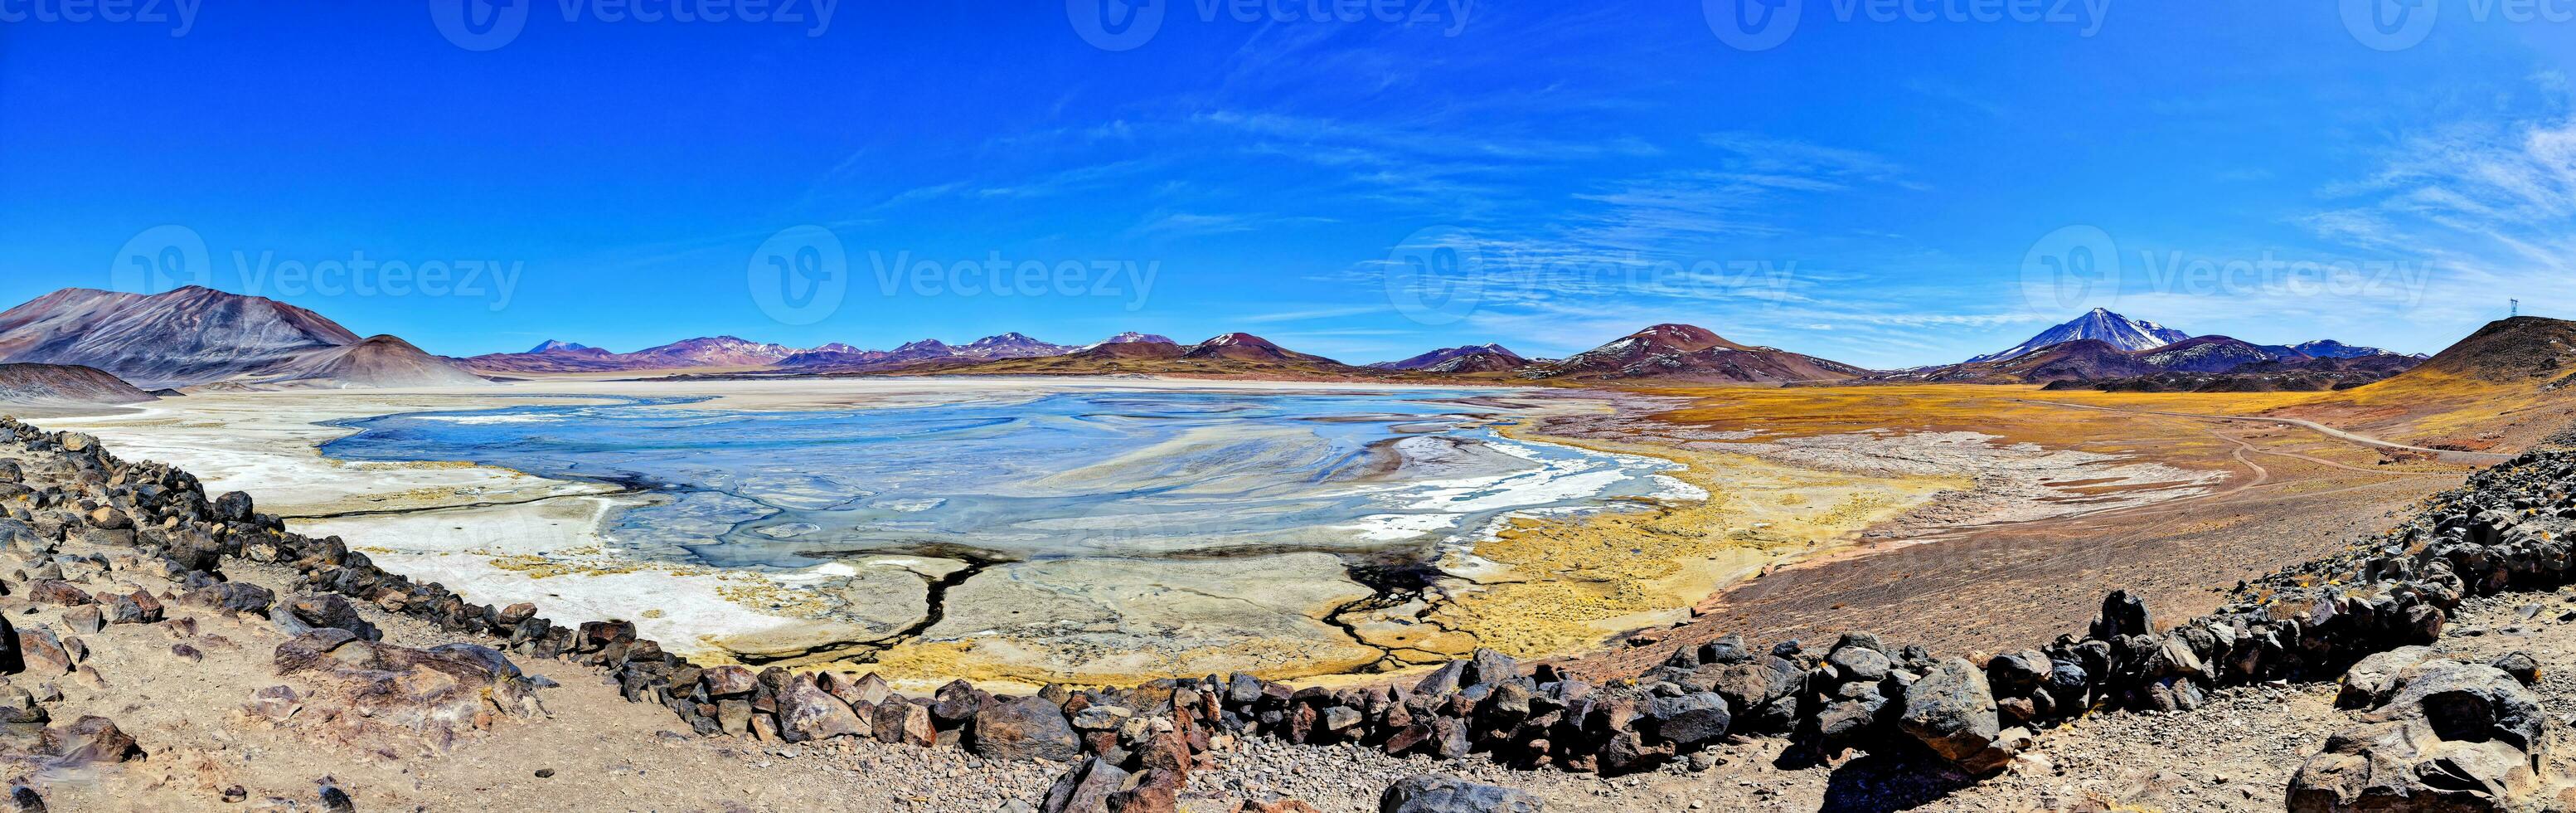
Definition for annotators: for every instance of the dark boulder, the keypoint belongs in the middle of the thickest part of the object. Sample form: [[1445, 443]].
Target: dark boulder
[[304, 614], [233, 506], [1027, 728], [1952, 712], [1689, 721]]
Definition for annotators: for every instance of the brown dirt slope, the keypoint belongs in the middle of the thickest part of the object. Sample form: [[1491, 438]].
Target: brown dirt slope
[[2502, 389], [64, 385]]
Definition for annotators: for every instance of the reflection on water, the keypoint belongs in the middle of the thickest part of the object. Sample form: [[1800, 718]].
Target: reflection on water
[[1138, 474]]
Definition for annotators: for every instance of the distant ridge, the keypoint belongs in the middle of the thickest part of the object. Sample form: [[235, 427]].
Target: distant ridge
[[1457, 358], [2189, 365], [2217, 354]]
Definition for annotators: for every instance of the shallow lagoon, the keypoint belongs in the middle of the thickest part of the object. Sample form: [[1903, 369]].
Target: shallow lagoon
[[1141, 474]]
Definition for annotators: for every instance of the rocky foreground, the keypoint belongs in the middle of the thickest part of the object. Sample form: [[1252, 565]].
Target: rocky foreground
[[167, 649]]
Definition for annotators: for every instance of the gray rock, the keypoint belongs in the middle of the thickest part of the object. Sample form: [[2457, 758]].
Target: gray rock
[[1859, 663], [2520, 665], [1487, 667], [806, 712], [1952, 712], [1432, 793], [2451, 737], [1085, 789], [1441, 681]]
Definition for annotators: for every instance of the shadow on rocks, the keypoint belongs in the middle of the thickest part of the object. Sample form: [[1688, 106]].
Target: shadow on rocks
[[1892, 778]]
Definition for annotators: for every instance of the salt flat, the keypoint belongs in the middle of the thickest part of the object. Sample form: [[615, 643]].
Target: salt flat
[[1192, 594]]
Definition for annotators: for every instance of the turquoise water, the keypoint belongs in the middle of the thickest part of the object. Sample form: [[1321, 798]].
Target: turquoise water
[[1094, 473]]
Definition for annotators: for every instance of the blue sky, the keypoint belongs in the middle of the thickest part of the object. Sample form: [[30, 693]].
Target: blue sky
[[1884, 191]]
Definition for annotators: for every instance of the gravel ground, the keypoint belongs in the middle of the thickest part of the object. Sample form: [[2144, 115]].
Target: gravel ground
[[2235, 754]]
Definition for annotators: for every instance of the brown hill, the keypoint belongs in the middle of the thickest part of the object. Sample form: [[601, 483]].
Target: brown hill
[[196, 337], [1250, 348], [1690, 352], [2505, 388], [192, 335], [55, 385], [379, 361], [2521, 349]]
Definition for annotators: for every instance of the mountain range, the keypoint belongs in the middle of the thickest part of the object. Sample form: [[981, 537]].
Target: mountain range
[[729, 351], [199, 338], [2105, 346]]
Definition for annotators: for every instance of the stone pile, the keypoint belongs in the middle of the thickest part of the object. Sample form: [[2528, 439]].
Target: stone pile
[[2508, 529]]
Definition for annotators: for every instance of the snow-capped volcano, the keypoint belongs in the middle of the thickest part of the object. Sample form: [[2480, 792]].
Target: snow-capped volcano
[[2109, 328], [553, 346], [1132, 337], [1010, 346]]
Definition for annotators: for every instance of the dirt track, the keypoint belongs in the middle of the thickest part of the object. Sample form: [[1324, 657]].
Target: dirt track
[[2445, 455]]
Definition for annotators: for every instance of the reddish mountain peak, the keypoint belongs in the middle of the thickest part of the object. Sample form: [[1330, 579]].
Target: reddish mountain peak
[[1685, 338], [1238, 340]]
